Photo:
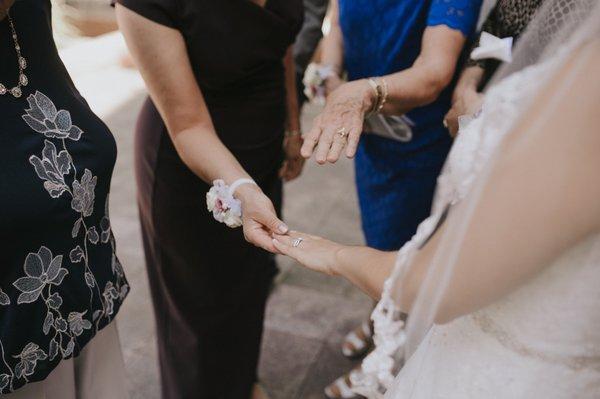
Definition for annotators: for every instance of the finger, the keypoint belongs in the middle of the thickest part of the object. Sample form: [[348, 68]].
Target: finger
[[284, 244], [296, 168], [262, 239], [311, 138], [338, 145], [284, 249], [271, 222], [285, 239], [283, 170], [353, 139], [324, 145]]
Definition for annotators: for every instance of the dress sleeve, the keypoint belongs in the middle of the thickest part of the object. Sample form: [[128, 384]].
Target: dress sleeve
[[460, 15], [163, 12]]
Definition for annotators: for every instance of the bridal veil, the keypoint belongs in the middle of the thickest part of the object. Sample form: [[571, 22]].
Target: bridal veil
[[558, 30]]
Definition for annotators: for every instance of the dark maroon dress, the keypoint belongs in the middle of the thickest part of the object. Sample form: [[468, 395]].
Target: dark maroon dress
[[208, 285]]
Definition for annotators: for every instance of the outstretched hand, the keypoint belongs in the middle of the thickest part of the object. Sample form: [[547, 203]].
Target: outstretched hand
[[314, 252], [259, 218], [340, 124]]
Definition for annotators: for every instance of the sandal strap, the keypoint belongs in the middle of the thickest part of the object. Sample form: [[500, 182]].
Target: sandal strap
[[366, 329], [357, 342], [345, 390]]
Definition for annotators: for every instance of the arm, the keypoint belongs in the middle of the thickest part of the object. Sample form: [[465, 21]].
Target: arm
[[466, 100], [333, 48], [537, 203], [416, 86], [161, 56], [311, 33], [292, 166]]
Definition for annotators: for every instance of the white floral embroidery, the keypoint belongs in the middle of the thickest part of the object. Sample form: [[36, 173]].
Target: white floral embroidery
[[43, 270], [52, 168], [4, 299], [4, 381], [77, 323], [29, 357], [83, 194], [92, 235], [43, 117]]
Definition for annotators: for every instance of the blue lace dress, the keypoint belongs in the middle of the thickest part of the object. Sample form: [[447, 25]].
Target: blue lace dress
[[396, 180]]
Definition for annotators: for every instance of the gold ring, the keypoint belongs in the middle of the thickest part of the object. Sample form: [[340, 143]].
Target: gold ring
[[342, 132]]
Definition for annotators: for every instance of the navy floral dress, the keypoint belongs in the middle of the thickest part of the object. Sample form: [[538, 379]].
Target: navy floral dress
[[60, 281]]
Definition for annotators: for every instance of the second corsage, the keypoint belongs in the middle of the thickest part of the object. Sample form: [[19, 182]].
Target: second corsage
[[314, 82]]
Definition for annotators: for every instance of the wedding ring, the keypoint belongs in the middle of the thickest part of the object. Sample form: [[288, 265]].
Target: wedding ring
[[342, 132], [297, 242]]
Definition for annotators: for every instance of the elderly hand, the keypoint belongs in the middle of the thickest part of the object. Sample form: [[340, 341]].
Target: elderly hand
[[259, 218], [467, 103], [293, 163], [314, 252], [340, 124]]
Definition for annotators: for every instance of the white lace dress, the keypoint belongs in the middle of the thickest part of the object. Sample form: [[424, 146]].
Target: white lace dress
[[541, 341]]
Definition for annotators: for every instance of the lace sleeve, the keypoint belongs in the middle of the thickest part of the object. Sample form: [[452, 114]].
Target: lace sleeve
[[460, 15]]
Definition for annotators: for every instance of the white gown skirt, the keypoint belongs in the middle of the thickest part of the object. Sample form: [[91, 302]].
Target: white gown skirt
[[97, 373]]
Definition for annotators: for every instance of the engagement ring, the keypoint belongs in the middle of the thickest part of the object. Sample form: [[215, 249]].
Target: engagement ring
[[297, 242]]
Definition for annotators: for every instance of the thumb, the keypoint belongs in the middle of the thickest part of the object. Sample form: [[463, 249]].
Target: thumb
[[273, 223]]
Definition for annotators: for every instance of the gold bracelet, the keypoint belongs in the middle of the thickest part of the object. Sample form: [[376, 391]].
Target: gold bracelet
[[384, 97], [378, 95]]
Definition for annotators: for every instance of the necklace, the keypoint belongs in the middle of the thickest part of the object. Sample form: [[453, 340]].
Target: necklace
[[23, 80]]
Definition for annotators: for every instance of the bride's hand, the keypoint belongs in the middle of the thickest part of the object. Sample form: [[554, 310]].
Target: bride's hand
[[294, 162], [259, 218], [314, 252]]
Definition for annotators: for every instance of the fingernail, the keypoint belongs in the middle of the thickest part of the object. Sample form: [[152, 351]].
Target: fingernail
[[283, 228]]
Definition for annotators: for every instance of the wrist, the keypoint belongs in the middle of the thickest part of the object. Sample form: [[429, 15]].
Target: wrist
[[339, 256], [369, 96], [245, 192]]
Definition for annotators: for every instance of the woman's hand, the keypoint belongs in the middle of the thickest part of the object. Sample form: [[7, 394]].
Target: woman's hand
[[340, 124], [314, 252], [259, 218], [466, 100], [293, 164], [467, 103]]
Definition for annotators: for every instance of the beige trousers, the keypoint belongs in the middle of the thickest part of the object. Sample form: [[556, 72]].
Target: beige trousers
[[97, 373]]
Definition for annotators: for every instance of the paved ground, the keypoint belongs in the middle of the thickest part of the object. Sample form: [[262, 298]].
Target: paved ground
[[307, 315]]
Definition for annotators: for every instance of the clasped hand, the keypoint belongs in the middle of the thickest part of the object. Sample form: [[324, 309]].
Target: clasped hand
[[264, 229]]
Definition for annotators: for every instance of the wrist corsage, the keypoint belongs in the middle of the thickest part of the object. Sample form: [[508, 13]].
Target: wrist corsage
[[314, 81], [224, 207]]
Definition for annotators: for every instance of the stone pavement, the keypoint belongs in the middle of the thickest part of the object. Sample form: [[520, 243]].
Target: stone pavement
[[307, 315]]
